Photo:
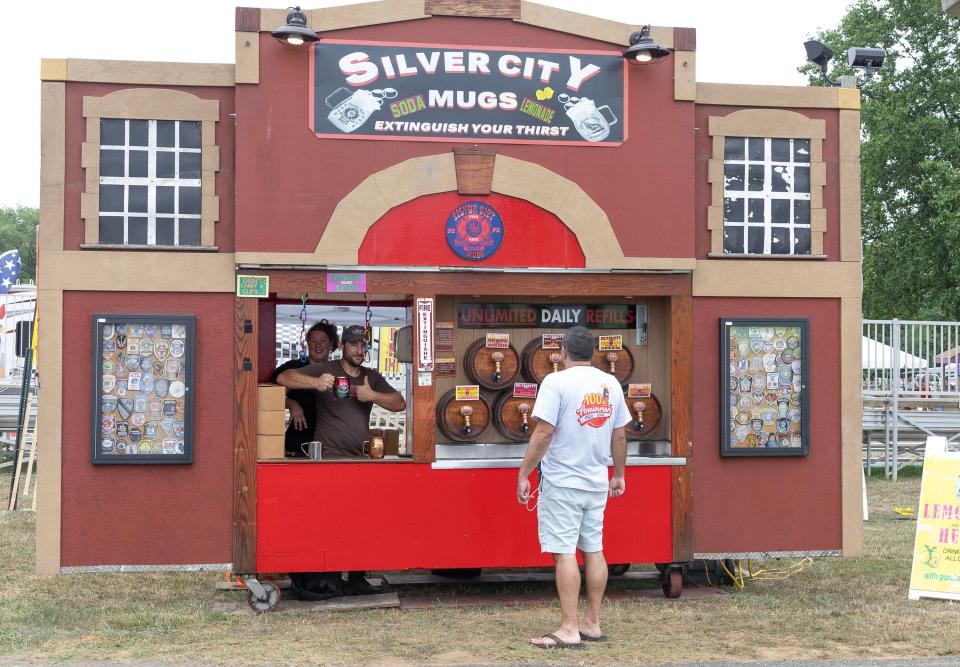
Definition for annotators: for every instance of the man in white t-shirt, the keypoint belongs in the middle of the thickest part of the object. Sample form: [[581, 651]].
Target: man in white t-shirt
[[580, 415]]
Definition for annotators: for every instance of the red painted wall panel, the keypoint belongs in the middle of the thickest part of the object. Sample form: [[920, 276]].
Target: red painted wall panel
[[289, 182], [76, 134], [831, 191], [148, 514], [380, 516], [744, 504], [414, 234]]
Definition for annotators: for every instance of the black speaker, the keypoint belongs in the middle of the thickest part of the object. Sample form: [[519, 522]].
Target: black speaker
[[24, 337]]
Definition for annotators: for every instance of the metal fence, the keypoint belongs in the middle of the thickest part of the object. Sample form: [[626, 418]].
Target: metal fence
[[910, 388]]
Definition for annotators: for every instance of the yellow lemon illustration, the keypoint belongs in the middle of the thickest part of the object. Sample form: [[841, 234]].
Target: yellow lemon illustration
[[545, 94]]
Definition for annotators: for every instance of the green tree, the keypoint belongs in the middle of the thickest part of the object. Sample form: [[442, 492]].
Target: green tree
[[18, 230], [910, 155]]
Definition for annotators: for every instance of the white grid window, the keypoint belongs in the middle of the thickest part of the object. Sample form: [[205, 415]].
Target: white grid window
[[150, 182], [766, 196]]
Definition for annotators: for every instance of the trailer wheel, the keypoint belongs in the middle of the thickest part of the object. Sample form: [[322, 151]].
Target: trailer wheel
[[672, 582], [618, 569], [267, 603], [660, 567]]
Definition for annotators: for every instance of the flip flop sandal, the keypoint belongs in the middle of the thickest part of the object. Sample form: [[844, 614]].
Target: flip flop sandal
[[558, 643], [587, 638]]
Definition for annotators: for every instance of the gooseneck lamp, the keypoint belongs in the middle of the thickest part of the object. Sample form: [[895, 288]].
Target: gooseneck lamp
[[295, 32], [643, 49]]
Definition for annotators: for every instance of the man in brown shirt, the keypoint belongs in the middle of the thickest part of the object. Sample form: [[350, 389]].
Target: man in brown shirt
[[343, 424]]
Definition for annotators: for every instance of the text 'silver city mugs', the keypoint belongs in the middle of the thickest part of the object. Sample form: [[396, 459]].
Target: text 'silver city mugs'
[[351, 110], [587, 117]]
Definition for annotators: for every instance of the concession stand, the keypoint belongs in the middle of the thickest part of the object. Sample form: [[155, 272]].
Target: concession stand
[[495, 173]]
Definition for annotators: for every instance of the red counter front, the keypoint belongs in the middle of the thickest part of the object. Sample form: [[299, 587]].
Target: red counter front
[[397, 516]]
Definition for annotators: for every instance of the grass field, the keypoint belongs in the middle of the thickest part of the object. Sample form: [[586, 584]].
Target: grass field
[[833, 608]]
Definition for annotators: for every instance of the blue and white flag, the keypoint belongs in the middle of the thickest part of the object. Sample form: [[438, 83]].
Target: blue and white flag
[[9, 270]]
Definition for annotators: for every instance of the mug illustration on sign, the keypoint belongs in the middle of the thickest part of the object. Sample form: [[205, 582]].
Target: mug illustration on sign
[[352, 111], [587, 117]]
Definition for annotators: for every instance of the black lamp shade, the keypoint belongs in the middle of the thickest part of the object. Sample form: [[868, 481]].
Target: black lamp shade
[[295, 31], [643, 49]]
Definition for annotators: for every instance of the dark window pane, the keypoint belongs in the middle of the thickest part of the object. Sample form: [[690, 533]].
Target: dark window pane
[[189, 134], [137, 231], [801, 177], [165, 199], [111, 229], [801, 150], [189, 200], [732, 210], [189, 231], [138, 164], [755, 240], [801, 241], [111, 198], [189, 165], [756, 177], [801, 212], [778, 180], [733, 239], [754, 210], [138, 132], [165, 231], [733, 177], [112, 132], [733, 148], [755, 150], [780, 240], [111, 163], [166, 133], [780, 150], [137, 199], [780, 211], [165, 164]]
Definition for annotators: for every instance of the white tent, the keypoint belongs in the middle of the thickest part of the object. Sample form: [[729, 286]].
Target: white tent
[[877, 355]]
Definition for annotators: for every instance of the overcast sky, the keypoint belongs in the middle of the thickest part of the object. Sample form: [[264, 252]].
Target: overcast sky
[[747, 41]]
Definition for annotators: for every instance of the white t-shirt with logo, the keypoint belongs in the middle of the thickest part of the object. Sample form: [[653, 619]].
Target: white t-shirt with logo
[[584, 405]]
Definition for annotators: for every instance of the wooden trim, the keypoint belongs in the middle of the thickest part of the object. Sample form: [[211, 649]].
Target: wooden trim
[[685, 75], [850, 231], [349, 16], [474, 165], [150, 73], [490, 284], [53, 69], [248, 57], [736, 94], [122, 270], [424, 402], [53, 166], [246, 19], [848, 98], [681, 415], [773, 123], [851, 410], [747, 277], [502, 9], [588, 26], [49, 430], [150, 104], [245, 437], [685, 39]]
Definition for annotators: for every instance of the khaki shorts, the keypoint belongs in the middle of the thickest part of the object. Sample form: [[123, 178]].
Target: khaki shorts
[[570, 519]]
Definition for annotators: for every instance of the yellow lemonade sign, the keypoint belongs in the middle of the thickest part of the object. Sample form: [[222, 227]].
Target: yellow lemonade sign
[[936, 550]]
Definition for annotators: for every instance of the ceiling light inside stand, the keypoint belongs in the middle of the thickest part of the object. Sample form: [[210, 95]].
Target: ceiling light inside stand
[[295, 32], [643, 49]]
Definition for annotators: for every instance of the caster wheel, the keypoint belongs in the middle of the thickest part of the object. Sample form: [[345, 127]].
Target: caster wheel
[[269, 603], [672, 582], [618, 569]]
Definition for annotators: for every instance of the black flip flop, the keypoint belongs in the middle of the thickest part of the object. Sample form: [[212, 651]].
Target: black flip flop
[[587, 638], [558, 643]]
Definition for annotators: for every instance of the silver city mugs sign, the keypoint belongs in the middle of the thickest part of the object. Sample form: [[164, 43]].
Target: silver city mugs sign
[[427, 92]]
